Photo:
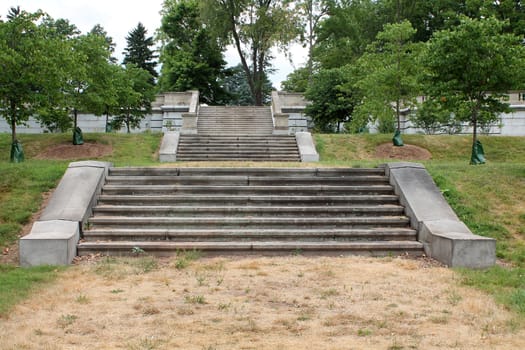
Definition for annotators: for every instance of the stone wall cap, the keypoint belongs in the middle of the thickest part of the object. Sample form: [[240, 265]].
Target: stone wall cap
[[90, 164]]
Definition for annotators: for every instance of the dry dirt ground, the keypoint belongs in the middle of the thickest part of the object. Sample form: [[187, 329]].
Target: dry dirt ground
[[292, 302], [70, 151], [407, 152]]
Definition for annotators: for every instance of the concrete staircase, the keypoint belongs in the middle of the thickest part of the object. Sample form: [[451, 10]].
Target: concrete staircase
[[248, 210], [236, 134]]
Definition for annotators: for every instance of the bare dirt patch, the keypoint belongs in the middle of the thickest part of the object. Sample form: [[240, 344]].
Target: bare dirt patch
[[259, 303], [66, 151], [406, 152]]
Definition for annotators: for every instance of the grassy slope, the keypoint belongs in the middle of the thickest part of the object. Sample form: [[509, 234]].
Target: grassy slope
[[488, 198]]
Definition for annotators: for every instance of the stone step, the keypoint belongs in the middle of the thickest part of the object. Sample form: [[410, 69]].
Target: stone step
[[243, 180], [257, 172], [247, 211], [232, 190], [247, 222], [243, 200], [251, 247], [214, 235], [227, 158]]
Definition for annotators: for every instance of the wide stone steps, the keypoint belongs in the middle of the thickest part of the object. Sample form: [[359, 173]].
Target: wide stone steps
[[248, 210], [240, 148], [235, 121]]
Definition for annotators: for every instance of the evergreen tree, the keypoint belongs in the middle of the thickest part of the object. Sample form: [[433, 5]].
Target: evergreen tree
[[139, 50]]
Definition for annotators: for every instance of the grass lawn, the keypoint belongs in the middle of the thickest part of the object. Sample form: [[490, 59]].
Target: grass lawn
[[489, 198]]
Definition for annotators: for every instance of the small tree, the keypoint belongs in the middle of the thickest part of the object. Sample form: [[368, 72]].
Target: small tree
[[389, 75], [134, 96], [470, 68], [332, 98]]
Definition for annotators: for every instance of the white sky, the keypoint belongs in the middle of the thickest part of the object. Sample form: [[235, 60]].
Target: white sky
[[118, 17]]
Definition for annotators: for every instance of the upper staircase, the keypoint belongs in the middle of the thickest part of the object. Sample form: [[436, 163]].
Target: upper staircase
[[236, 134], [248, 210]]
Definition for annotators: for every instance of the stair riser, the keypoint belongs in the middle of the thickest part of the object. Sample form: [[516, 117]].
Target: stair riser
[[233, 212], [257, 172]]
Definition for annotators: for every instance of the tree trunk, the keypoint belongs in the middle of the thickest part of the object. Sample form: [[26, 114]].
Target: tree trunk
[[127, 122], [13, 122], [398, 116], [75, 117]]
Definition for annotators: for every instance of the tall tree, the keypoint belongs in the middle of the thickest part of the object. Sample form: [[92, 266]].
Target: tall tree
[[311, 13], [389, 71], [31, 74], [254, 27], [191, 57], [470, 68], [139, 50], [344, 35]]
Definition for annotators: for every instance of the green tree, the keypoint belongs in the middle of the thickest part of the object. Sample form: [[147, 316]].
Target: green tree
[[139, 51], [89, 85], [344, 35], [298, 80], [332, 98], [237, 88], [389, 74], [135, 93], [191, 58], [31, 73], [254, 27], [471, 67]]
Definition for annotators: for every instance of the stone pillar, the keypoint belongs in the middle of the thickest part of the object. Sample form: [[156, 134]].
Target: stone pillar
[[189, 123], [280, 124]]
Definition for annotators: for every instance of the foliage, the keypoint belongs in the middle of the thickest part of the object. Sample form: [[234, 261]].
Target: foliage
[[191, 57], [31, 67], [388, 72], [470, 68], [332, 98], [138, 51], [297, 81], [135, 93], [236, 86], [344, 35], [254, 27]]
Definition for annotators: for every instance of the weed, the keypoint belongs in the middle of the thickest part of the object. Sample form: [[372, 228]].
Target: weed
[[147, 343], [194, 299], [66, 320], [364, 332], [82, 299], [145, 264], [454, 298], [137, 251], [150, 310], [325, 294], [116, 291], [185, 257], [224, 307]]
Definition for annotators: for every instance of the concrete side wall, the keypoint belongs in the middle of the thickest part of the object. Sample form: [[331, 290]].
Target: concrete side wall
[[444, 236], [54, 236]]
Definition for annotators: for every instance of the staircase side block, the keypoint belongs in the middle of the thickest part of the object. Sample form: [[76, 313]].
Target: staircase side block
[[445, 237], [305, 144], [54, 236], [168, 147]]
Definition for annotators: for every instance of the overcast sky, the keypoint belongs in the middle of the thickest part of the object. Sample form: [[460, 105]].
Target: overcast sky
[[118, 17]]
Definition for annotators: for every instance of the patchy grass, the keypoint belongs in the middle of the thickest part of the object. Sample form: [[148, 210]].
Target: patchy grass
[[371, 303], [17, 283]]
